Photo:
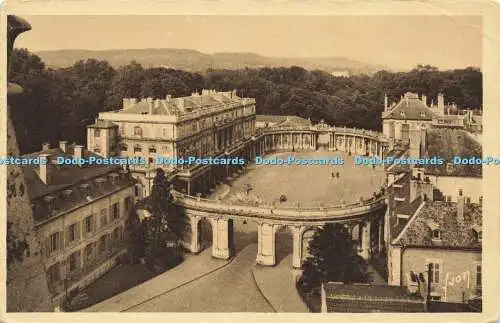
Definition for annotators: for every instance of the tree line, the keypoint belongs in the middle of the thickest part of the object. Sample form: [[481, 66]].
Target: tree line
[[58, 104]]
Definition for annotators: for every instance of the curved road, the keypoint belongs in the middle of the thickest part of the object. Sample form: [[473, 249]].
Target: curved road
[[230, 289]]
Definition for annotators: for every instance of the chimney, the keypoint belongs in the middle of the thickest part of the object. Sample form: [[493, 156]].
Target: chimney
[[424, 99], [45, 172], [386, 104], [460, 207], [45, 146], [63, 145], [441, 103], [78, 152], [168, 98], [180, 103]]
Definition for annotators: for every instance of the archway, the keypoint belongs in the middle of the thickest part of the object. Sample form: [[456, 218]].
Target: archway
[[283, 245], [243, 232], [204, 233]]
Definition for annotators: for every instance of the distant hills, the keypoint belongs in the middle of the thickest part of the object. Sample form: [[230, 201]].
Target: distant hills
[[193, 60]]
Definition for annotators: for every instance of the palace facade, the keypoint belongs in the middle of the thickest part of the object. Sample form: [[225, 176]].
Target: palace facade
[[80, 214], [210, 124]]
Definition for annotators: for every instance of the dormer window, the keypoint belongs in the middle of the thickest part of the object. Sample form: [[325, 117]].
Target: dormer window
[[50, 201], [137, 131], [422, 115], [97, 133], [402, 114], [67, 193], [436, 234], [85, 189], [449, 167], [113, 177]]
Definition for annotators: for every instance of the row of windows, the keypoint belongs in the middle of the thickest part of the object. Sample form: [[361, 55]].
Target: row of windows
[[73, 231], [106, 242]]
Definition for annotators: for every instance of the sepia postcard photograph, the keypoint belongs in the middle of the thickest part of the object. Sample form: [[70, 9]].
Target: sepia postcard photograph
[[251, 163]]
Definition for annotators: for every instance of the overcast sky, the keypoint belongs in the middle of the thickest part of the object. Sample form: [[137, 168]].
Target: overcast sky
[[394, 41]]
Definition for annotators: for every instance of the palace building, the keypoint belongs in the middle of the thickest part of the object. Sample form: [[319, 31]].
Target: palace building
[[210, 124], [80, 214]]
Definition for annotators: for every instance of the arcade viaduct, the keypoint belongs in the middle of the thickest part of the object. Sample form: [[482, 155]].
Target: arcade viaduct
[[364, 219]]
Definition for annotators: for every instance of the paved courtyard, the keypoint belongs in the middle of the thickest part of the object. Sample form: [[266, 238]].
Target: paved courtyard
[[310, 185]]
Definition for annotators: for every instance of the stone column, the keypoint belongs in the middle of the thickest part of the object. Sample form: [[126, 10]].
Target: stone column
[[220, 238], [381, 235], [266, 254], [194, 246], [297, 247], [366, 240]]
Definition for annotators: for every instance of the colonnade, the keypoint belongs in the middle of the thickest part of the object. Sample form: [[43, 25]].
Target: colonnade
[[368, 232]]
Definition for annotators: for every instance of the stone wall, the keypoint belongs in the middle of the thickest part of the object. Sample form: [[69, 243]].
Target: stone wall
[[27, 289]]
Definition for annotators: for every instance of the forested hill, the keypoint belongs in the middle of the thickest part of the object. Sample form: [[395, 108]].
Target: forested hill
[[57, 104], [195, 61]]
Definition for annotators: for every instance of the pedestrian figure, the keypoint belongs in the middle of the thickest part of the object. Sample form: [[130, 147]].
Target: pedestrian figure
[[333, 175], [338, 175]]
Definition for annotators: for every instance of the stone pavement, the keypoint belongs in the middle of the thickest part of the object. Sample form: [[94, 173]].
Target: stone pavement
[[277, 284], [193, 268]]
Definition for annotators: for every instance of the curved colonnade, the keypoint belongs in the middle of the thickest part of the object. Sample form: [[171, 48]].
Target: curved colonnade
[[364, 219]]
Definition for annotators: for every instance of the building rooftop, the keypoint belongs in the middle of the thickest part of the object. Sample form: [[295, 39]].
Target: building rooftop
[[67, 187], [282, 120], [180, 105], [370, 292], [411, 107], [103, 124], [455, 231], [448, 143]]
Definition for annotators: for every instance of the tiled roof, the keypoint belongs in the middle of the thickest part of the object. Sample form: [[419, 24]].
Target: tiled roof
[[65, 183], [410, 108], [173, 106], [454, 232], [448, 143], [369, 292], [405, 207]]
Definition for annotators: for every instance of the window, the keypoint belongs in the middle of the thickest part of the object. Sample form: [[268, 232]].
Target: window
[[88, 252], [449, 167], [164, 132], [123, 147], [460, 192], [104, 217], [435, 298], [434, 272], [436, 234], [479, 277], [152, 149], [74, 261], [102, 244], [405, 131], [136, 190], [97, 133], [481, 200], [72, 233], [137, 149], [448, 199], [116, 235], [97, 150], [137, 131], [116, 211], [55, 242], [128, 202], [88, 224], [53, 273]]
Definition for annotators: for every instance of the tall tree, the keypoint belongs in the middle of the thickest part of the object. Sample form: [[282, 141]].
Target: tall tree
[[168, 221], [332, 258]]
